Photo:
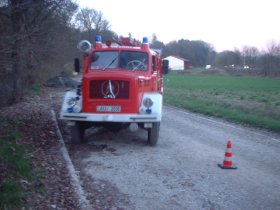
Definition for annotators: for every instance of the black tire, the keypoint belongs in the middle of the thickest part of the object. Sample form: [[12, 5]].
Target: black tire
[[77, 133], [153, 134]]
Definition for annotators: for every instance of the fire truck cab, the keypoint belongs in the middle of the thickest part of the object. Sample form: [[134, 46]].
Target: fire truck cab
[[121, 86]]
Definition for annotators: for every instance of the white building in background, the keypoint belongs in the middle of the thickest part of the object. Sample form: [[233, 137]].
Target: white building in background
[[177, 63]]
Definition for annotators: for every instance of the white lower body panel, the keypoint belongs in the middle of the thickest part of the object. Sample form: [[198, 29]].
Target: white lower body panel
[[143, 116]]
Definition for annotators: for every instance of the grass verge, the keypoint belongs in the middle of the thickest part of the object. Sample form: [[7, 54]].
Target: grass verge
[[14, 165], [250, 100], [35, 90]]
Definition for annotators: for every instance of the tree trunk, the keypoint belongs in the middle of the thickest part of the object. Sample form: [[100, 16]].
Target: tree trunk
[[16, 48]]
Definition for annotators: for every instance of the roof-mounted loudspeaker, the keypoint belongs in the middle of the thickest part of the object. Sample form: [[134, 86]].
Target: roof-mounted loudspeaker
[[84, 46]]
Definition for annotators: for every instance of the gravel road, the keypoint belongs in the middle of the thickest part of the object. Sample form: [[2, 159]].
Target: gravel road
[[120, 171]]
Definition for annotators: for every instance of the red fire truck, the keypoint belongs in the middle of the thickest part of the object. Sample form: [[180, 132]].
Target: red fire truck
[[121, 87]]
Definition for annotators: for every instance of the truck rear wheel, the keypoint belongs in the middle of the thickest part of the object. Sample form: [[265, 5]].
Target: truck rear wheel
[[77, 132], [153, 134]]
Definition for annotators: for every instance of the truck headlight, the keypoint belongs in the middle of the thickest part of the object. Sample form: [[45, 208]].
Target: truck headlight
[[148, 102], [71, 101], [77, 109]]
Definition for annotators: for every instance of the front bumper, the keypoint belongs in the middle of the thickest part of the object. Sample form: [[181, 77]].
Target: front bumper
[[89, 117]]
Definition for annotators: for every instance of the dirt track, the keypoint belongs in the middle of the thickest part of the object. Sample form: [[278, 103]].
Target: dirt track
[[120, 171]]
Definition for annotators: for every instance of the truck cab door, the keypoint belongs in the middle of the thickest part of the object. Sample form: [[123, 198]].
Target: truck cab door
[[156, 80]]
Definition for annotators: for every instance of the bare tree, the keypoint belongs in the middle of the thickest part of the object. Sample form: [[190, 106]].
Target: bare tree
[[273, 48], [22, 26], [84, 19], [270, 61], [228, 58], [249, 56], [155, 43], [92, 22]]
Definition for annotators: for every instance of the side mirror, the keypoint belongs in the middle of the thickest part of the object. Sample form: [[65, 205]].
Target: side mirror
[[165, 66], [77, 65]]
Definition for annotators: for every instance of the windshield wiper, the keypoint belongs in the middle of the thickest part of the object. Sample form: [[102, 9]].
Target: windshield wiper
[[111, 63]]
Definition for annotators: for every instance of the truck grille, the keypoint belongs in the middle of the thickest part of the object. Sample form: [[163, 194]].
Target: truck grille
[[114, 89]]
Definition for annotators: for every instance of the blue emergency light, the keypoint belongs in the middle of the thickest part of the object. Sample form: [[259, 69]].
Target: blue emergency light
[[145, 40], [98, 38]]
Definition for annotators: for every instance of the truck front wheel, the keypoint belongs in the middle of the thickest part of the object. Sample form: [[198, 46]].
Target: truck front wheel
[[153, 134], [77, 132]]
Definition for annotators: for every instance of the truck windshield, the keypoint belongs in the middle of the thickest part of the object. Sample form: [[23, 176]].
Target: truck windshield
[[130, 60], [104, 60], [133, 60]]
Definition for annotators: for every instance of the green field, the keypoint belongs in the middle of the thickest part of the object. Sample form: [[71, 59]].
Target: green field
[[250, 100]]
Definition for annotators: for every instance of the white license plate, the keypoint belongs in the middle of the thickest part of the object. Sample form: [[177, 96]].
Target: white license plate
[[108, 108]]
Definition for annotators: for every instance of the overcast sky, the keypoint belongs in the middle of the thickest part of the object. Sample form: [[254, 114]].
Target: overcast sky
[[226, 24]]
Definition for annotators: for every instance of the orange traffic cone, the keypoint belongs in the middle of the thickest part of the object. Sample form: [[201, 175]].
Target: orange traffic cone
[[227, 164]]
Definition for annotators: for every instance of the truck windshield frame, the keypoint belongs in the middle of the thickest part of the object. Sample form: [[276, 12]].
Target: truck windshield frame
[[128, 60]]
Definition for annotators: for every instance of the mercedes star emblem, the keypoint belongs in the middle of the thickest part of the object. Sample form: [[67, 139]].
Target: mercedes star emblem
[[110, 89]]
